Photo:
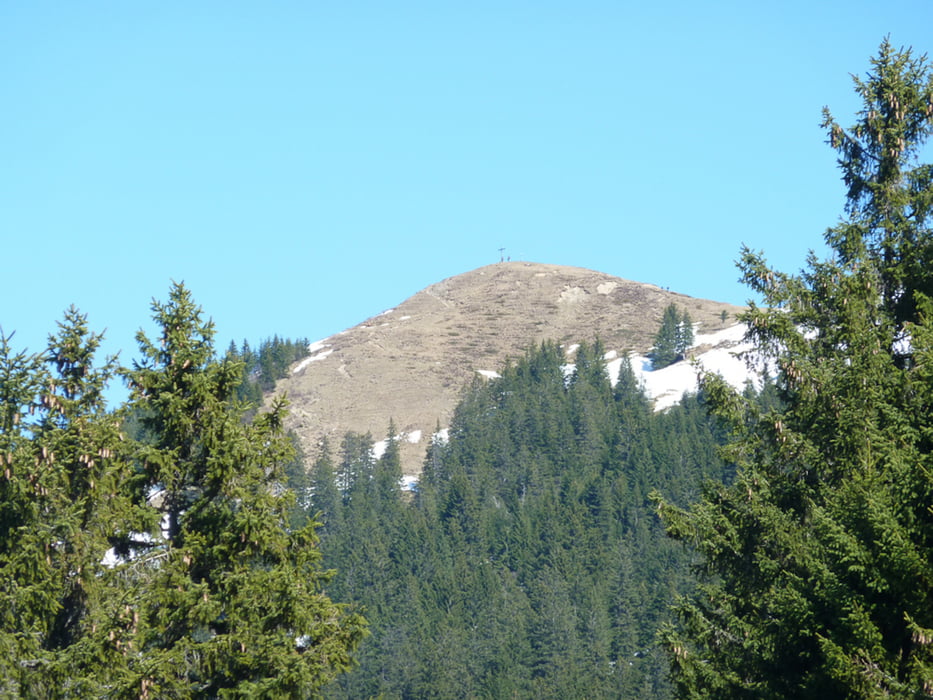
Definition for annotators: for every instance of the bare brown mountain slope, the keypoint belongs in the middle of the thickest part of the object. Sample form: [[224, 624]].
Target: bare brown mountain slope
[[410, 364]]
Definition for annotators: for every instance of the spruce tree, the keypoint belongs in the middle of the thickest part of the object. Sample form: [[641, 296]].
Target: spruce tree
[[673, 339], [818, 557], [326, 501], [26, 604], [229, 600], [388, 471], [684, 335], [62, 503]]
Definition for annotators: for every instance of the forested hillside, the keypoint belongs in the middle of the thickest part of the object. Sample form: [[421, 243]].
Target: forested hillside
[[529, 562], [265, 365]]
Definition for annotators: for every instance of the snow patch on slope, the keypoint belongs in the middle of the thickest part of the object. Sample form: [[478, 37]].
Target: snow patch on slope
[[379, 448], [413, 438], [317, 350], [667, 386]]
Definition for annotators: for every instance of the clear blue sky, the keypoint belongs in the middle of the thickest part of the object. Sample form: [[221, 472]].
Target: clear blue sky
[[305, 165]]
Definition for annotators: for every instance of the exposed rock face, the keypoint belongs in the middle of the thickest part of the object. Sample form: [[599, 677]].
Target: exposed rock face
[[411, 363]]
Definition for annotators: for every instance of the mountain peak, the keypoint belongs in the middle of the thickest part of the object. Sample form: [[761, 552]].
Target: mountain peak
[[411, 362]]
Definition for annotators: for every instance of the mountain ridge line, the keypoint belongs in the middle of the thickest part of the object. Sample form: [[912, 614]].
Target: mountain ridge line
[[410, 363]]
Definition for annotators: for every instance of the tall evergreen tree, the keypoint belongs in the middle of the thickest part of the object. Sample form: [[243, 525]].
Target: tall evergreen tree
[[684, 335], [326, 500], [818, 557], [27, 605], [61, 503], [230, 598], [388, 470], [673, 339]]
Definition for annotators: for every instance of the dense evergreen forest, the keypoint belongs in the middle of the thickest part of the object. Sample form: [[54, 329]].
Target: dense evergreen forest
[[262, 367], [529, 562]]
